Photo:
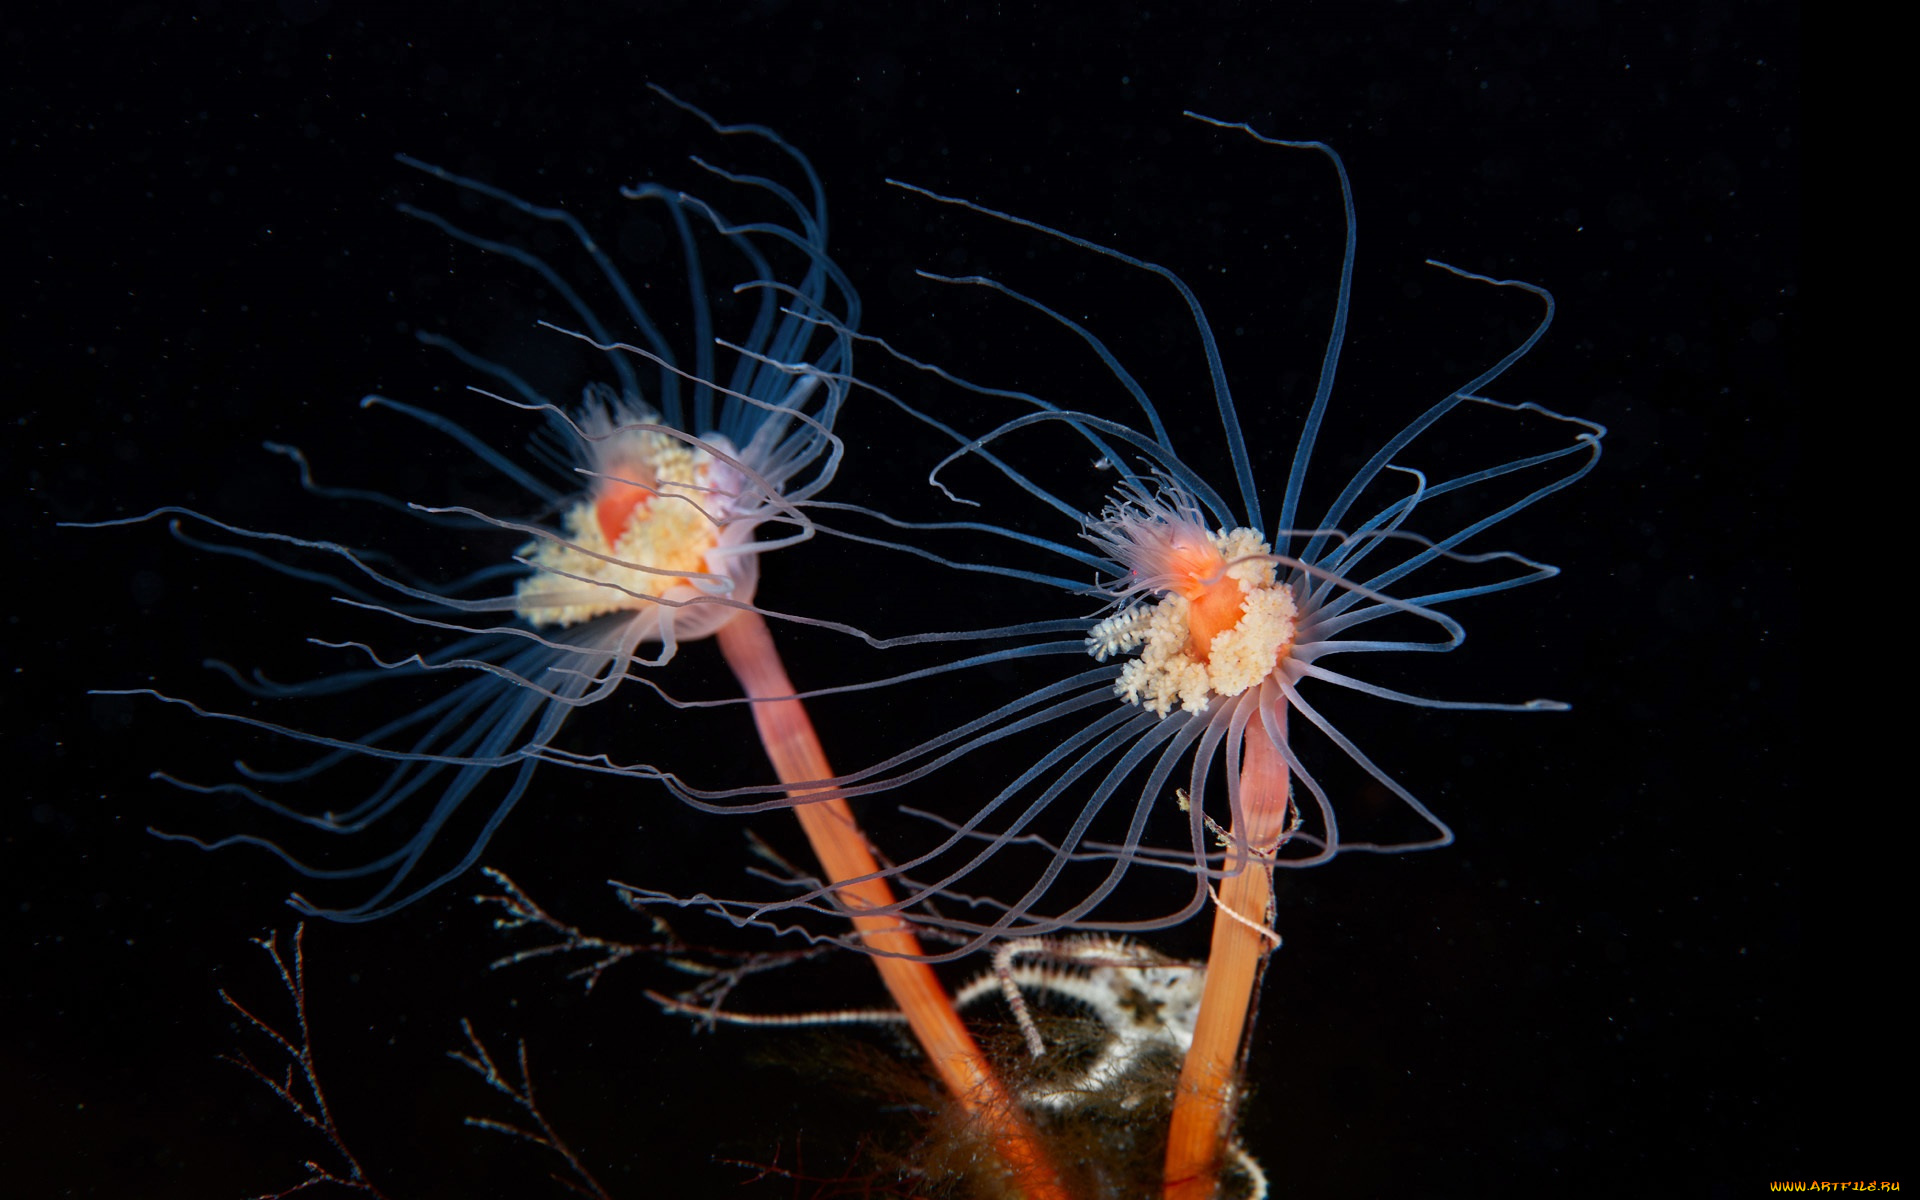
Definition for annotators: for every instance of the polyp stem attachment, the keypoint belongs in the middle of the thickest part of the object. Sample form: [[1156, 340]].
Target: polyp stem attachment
[[790, 741], [1208, 1090]]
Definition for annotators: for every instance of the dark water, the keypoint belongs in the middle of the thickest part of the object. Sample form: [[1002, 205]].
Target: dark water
[[1621, 975]]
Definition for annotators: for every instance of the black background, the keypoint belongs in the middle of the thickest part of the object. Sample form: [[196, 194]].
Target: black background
[[1630, 971]]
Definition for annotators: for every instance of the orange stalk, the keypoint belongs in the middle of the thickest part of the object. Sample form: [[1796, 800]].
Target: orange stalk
[[788, 735], [1204, 1099]]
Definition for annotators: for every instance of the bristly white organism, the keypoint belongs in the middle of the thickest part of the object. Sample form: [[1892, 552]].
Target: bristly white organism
[[653, 503]]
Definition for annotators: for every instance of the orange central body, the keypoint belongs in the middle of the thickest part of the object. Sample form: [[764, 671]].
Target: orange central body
[[618, 504], [1216, 607]]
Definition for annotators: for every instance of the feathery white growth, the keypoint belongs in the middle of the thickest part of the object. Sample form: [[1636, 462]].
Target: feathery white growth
[[1119, 633]]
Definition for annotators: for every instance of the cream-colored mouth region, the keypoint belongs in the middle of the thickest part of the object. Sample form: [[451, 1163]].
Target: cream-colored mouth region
[[648, 512], [1169, 671]]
